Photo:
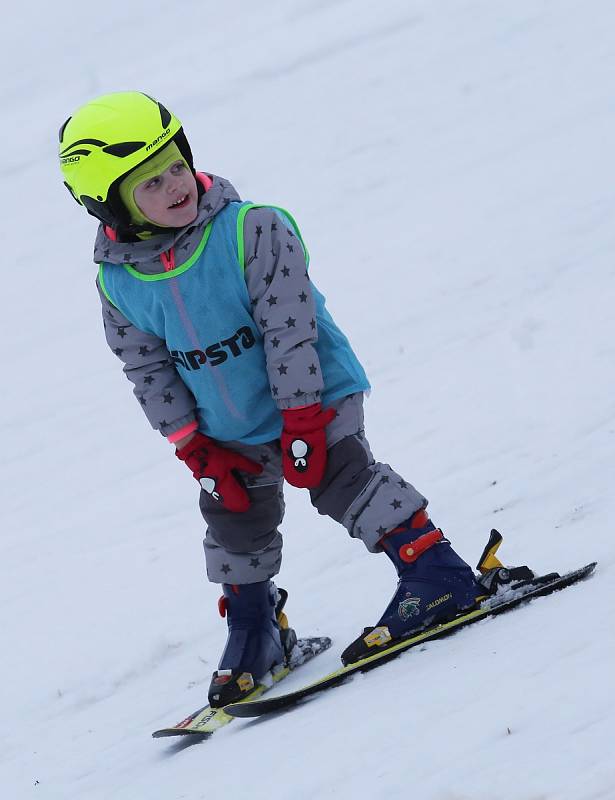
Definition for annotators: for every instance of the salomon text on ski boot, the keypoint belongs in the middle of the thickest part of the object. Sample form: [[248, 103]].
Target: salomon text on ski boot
[[259, 640], [434, 585]]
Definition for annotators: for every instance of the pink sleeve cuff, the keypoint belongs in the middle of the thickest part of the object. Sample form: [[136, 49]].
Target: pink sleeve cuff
[[177, 435]]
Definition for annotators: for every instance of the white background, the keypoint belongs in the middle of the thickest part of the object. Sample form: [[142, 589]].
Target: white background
[[451, 167]]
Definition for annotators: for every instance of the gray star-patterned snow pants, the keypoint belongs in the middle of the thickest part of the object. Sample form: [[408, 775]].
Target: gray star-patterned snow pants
[[367, 497]]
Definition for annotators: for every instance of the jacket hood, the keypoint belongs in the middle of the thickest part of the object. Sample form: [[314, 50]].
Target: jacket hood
[[144, 255]]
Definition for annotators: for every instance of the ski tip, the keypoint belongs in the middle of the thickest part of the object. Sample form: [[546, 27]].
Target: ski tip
[[168, 732], [245, 710], [582, 572]]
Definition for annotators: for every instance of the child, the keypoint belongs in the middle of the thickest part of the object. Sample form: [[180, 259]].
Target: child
[[236, 361]]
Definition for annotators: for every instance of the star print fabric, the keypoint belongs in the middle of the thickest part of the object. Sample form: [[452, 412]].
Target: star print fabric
[[283, 307], [163, 396], [366, 496], [246, 340]]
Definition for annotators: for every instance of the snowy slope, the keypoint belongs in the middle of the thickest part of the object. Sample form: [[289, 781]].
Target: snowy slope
[[451, 166]]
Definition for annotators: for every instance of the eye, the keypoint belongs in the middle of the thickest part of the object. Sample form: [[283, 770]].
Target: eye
[[152, 183], [177, 167]]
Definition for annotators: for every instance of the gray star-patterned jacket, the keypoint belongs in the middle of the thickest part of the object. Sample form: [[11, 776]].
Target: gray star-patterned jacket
[[283, 309]]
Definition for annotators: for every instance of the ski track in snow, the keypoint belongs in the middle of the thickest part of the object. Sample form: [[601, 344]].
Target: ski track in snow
[[451, 167]]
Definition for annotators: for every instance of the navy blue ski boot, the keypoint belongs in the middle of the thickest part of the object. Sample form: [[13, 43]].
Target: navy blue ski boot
[[434, 586], [259, 640]]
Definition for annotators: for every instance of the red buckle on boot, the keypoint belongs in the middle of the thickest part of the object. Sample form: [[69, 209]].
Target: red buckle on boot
[[410, 552], [419, 519], [222, 606]]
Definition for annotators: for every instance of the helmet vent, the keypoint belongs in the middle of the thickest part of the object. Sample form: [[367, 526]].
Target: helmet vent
[[63, 128], [165, 116], [76, 153], [95, 142], [123, 149]]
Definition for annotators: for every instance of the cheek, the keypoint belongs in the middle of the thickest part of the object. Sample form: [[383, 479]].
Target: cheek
[[193, 187], [148, 203]]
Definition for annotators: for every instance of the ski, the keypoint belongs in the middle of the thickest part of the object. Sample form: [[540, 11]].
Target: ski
[[206, 720], [498, 604]]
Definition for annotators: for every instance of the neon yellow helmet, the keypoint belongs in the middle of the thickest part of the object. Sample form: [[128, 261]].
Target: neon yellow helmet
[[106, 139]]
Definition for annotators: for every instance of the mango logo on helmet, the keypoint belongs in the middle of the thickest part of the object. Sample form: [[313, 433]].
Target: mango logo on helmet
[[156, 141], [105, 140]]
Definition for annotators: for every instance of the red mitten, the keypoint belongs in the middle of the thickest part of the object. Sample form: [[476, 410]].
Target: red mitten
[[304, 444], [215, 468]]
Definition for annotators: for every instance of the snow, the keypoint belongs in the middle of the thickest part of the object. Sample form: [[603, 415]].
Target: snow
[[451, 167]]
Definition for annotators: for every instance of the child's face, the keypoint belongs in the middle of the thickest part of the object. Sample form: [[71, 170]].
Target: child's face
[[158, 197]]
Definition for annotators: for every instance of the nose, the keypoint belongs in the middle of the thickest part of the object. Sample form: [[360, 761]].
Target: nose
[[173, 184]]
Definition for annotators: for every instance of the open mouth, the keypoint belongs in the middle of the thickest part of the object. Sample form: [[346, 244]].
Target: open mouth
[[181, 202]]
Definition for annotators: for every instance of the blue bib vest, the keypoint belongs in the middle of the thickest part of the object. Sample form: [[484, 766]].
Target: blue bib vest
[[202, 311]]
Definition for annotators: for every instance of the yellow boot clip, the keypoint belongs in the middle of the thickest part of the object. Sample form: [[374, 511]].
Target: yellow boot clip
[[488, 559]]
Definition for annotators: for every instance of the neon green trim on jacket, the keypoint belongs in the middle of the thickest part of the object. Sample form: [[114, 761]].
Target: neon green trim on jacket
[[101, 283], [241, 249], [173, 273]]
